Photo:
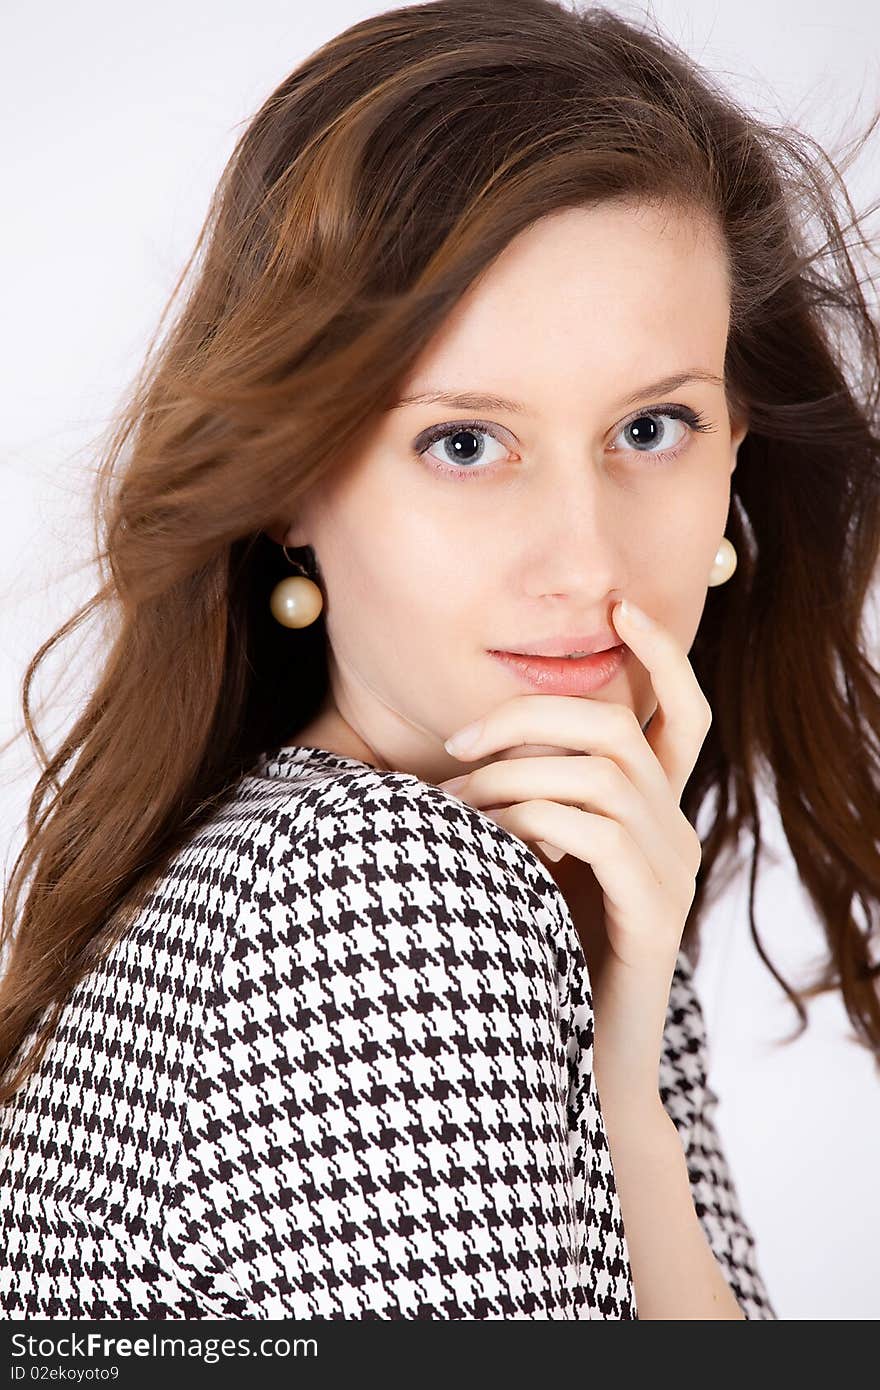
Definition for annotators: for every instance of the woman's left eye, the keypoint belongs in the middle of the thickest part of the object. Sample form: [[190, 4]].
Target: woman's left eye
[[646, 431], [643, 430]]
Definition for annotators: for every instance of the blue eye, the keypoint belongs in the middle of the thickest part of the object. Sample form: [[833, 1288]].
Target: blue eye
[[464, 448]]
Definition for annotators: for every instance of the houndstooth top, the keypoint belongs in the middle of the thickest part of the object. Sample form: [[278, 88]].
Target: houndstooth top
[[340, 1067]]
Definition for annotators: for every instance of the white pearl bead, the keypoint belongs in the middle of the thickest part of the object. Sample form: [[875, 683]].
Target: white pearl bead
[[724, 564], [296, 601]]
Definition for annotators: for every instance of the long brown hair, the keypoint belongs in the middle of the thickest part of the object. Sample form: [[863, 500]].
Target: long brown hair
[[373, 185]]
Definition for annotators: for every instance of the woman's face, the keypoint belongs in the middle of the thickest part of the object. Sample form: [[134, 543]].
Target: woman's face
[[535, 520]]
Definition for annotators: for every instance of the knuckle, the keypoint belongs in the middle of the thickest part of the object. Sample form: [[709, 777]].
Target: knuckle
[[616, 836], [536, 817], [602, 770], [679, 887], [688, 890], [693, 852], [626, 720]]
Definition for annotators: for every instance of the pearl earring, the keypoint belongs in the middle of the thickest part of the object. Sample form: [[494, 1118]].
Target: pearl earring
[[724, 564], [296, 601]]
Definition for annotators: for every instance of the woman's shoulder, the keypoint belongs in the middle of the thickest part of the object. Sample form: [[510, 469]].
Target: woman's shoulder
[[347, 874], [315, 829], [338, 815], [314, 842]]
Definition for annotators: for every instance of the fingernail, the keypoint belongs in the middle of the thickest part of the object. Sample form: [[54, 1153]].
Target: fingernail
[[466, 738], [634, 615]]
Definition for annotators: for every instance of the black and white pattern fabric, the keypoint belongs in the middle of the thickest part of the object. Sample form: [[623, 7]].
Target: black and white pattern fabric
[[340, 1066]]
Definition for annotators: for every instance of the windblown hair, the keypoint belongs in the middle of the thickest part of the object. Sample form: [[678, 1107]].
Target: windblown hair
[[374, 184]]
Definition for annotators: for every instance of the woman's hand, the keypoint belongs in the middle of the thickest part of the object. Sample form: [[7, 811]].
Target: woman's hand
[[611, 802]]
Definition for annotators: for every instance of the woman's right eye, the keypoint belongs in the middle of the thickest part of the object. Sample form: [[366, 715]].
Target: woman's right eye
[[461, 449]]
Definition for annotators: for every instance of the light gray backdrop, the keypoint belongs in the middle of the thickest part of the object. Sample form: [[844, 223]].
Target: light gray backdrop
[[117, 120]]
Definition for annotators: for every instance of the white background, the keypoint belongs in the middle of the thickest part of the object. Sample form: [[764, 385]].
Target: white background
[[117, 122]]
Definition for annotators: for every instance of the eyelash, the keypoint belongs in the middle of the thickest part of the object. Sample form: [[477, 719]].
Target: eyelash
[[694, 419]]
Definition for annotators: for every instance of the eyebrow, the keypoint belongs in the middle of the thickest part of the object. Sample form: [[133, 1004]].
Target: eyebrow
[[469, 400]]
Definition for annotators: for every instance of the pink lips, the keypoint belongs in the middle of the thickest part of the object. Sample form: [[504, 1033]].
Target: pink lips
[[589, 642], [557, 675]]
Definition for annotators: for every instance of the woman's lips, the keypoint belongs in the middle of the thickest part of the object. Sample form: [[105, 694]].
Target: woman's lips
[[562, 675]]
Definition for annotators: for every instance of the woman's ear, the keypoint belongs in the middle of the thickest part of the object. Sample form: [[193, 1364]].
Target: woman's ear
[[738, 431], [283, 533]]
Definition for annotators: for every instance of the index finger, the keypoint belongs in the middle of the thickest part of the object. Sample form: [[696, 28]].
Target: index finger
[[680, 722]]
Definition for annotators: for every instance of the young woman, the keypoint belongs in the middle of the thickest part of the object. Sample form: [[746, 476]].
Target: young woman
[[504, 314]]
